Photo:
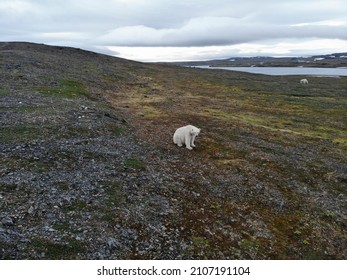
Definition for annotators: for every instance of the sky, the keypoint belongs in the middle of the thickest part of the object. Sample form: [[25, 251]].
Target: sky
[[180, 30]]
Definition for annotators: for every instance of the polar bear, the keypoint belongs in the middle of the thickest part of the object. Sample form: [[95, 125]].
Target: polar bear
[[186, 135], [304, 81]]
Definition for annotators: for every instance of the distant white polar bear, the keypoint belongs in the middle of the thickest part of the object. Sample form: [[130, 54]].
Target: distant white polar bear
[[304, 81], [186, 135]]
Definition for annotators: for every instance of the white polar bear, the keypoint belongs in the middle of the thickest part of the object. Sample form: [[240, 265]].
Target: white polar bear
[[304, 81], [186, 135]]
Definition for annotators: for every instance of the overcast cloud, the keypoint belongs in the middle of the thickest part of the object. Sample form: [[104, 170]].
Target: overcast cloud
[[157, 30]]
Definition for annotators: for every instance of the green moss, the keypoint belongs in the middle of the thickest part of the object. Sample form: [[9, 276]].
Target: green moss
[[62, 227], [19, 133], [77, 205], [116, 130], [311, 254], [297, 232], [67, 89], [3, 92], [134, 163], [114, 194], [249, 245], [199, 246], [70, 249]]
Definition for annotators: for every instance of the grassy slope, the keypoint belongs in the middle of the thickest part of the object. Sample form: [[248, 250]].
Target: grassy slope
[[271, 150], [267, 179]]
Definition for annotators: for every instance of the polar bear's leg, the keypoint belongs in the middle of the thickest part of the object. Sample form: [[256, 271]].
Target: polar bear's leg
[[187, 142], [177, 139], [179, 142], [193, 139]]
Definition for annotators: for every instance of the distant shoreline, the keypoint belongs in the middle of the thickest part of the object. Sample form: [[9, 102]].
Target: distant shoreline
[[285, 71], [338, 60]]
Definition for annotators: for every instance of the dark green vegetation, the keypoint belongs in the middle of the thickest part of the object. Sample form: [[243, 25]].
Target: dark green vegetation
[[65, 88], [88, 168]]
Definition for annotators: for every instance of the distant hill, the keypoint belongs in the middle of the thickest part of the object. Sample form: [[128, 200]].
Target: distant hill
[[329, 60]]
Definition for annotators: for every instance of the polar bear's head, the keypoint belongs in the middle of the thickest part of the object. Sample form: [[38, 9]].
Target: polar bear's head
[[194, 131]]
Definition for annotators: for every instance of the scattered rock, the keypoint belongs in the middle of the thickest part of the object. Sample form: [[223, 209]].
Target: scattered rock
[[7, 221]]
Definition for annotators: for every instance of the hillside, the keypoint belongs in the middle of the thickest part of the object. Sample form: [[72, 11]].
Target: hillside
[[330, 60], [88, 169]]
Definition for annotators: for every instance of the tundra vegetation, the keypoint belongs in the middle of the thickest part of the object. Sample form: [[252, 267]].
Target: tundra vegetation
[[88, 169]]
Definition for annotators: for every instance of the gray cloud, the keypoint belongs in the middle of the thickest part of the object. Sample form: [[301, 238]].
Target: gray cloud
[[216, 31], [100, 24]]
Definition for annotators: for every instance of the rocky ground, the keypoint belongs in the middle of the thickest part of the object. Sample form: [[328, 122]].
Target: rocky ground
[[88, 170]]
